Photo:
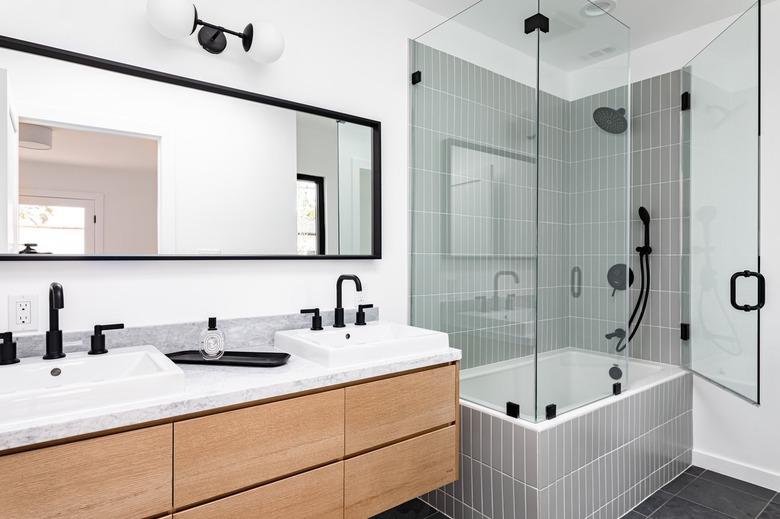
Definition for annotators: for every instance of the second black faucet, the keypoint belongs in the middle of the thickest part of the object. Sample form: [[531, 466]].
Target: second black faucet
[[54, 335], [338, 318]]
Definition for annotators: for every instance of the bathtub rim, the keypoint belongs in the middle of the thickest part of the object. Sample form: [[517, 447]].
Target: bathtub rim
[[664, 373]]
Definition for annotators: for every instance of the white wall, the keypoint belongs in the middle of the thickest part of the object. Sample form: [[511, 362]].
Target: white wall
[[323, 66], [129, 200]]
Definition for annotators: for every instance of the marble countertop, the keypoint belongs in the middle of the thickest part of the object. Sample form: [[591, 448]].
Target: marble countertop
[[207, 388]]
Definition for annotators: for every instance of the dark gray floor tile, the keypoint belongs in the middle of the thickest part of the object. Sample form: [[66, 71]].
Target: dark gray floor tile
[[678, 508], [772, 511], [414, 509], [678, 483], [633, 515], [742, 486], [437, 515], [693, 470], [653, 503], [776, 499], [723, 499]]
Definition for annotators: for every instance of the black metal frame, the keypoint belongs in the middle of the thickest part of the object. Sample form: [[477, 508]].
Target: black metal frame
[[320, 183], [164, 77]]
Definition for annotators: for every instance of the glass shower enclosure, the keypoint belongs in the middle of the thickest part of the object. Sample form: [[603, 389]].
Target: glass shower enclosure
[[519, 186]]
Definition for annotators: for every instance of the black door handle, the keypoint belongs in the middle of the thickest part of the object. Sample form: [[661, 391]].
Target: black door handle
[[761, 290]]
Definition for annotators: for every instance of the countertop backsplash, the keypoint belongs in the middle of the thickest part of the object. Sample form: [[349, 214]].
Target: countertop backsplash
[[250, 333]]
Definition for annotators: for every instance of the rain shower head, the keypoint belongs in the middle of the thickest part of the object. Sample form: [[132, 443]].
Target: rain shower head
[[611, 120]]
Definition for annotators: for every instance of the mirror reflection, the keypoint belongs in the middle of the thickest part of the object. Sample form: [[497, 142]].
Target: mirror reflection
[[141, 167]]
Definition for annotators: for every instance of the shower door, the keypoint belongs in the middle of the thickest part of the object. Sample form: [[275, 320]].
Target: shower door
[[723, 287]]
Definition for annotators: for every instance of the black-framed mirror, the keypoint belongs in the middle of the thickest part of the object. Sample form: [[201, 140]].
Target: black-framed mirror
[[107, 161]]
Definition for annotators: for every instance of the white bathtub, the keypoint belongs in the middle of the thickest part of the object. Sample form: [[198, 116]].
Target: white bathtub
[[569, 378]]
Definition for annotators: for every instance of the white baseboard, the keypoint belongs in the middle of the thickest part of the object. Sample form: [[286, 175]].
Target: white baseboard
[[735, 469]]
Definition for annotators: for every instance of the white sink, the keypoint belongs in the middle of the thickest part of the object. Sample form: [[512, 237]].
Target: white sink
[[376, 341], [37, 389]]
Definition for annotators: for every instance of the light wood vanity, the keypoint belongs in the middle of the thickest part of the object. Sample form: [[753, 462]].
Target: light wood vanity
[[345, 452]]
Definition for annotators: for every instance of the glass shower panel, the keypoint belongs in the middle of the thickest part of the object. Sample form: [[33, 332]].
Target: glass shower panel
[[720, 164], [473, 196], [583, 207]]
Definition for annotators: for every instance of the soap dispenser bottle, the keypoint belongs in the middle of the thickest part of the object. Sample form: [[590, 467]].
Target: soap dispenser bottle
[[212, 341]]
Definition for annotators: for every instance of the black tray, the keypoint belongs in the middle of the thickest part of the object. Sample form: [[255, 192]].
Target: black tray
[[251, 359]]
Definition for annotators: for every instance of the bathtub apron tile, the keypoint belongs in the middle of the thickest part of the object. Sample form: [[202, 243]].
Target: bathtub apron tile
[[476, 435], [495, 442], [465, 430], [487, 494], [532, 462], [468, 482], [518, 453], [559, 448], [485, 438], [507, 447], [497, 498], [507, 497]]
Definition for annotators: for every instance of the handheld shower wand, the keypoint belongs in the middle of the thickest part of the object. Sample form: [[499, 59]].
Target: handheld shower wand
[[644, 291], [644, 215]]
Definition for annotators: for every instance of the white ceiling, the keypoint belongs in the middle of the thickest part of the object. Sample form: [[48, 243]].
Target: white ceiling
[[97, 150], [573, 37]]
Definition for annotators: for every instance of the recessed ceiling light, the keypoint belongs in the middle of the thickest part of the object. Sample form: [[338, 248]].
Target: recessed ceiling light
[[598, 7]]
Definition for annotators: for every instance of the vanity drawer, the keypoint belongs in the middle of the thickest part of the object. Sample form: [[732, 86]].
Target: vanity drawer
[[387, 477], [122, 475], [317, 494], [222, 453], [387, 410]]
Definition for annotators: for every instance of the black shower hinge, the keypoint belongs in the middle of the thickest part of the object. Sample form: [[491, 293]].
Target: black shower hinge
[[537, 21], [513, 409], [416, 77], [685, 101], [617, 388], [551, 411], [685, 331]]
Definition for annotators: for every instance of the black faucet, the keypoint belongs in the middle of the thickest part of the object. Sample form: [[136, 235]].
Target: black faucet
[[498, 275], [54, 335], [338, 318]]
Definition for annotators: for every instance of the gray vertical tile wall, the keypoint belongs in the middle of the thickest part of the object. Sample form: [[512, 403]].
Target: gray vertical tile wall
[[474, 210], [599, 231], [595, 465], [656, 185], [554, 231]]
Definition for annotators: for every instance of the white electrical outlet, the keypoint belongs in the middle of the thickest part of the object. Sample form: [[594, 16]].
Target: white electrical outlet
[[23, 313]]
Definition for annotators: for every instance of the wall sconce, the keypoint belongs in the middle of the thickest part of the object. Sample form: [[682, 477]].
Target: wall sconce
[[176, 19]]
